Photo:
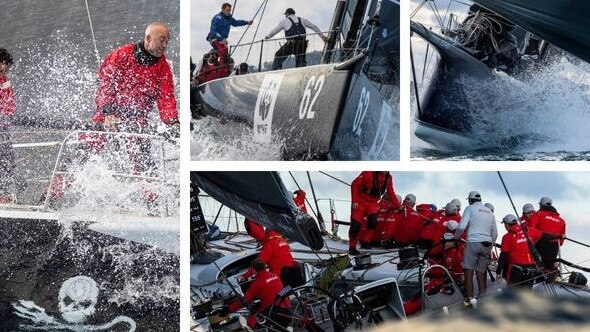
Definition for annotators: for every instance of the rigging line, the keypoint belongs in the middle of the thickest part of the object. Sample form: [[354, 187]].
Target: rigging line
[[256, 32], [320, 217], [532, 248], [38, 152], [416, 91], [335, 178], [233, 7], [447, 12], [415, 11], [92, 33], [248, 27], [436, 14], [299, 187]]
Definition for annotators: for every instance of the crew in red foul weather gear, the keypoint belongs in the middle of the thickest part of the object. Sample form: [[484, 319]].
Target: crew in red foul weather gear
[[276, 253], [516, 262], [367, 191], [299, 199], [547, 220], [255, 230], [410, 228], [212, 67], [7, 108], [527, 212], [265, 287]]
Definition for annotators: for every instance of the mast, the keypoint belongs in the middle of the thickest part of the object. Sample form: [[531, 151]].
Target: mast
[[335, 29]]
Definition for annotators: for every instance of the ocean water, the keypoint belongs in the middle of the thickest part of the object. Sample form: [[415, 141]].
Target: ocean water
[[218, 139], [542, 115]]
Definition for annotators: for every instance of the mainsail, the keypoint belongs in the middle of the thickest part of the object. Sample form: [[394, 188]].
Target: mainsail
[[563, 23], [262, 197]]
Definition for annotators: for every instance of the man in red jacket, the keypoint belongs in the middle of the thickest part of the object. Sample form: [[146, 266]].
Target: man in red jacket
[[547, 220], [132, 79], [516, 262], [7, 108], [367, 191], [299, 199], [277, 254], [265, 288], [212, 67]]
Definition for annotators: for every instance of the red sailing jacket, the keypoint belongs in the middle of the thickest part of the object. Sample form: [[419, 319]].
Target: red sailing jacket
[[255, 230], [366, 190], [516, 245], [125, 83], [410, 228], [276, 253], [299, 200], [212, 71], [548, 222], [265, 288], [7, 101]]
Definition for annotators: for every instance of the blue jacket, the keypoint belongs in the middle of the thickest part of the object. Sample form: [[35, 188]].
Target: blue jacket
[[220, 25]]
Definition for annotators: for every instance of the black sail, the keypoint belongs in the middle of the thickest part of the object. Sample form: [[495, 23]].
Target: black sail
[[262, 197]]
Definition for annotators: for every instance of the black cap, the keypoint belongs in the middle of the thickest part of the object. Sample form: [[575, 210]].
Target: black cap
[[289, 11], [243, 66]]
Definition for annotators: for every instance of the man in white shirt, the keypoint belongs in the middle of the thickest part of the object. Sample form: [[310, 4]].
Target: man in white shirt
[[480, 223], [296, 44]]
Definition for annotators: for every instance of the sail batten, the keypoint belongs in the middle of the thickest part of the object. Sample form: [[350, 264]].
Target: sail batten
[[563, 23]]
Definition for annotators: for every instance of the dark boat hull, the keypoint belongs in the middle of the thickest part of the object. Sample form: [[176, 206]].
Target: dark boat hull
[[300, 106], [38, 255]]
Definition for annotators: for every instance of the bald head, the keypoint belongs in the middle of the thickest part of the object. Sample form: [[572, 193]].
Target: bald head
[[156, 38]]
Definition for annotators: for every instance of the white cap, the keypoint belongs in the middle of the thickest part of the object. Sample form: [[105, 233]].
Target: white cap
[[457, 202], [510, 219], [474, 195], [450, 208], [528, 207], [546, 201], [451, 225], [489, 206], [411, 198]]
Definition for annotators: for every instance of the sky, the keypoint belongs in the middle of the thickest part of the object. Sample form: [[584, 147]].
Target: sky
[[568, 190], [319, 12]]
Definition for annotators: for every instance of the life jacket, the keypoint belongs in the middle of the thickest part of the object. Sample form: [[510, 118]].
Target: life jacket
[[296, 29]]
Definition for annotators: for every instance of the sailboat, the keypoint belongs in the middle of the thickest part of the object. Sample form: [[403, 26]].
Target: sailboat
[[367, 290], [325, 110], [502, 35]]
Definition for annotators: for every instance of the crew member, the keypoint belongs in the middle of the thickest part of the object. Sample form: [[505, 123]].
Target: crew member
[[299, 199], [527, 212], [411, 225], [547, 220], [367, 191], [516, 262], [255, 230], [212, 67], [276, 253], [132, 79], [265, 287], [7, 109], [219, 31], [296, 42], [480, 224]]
